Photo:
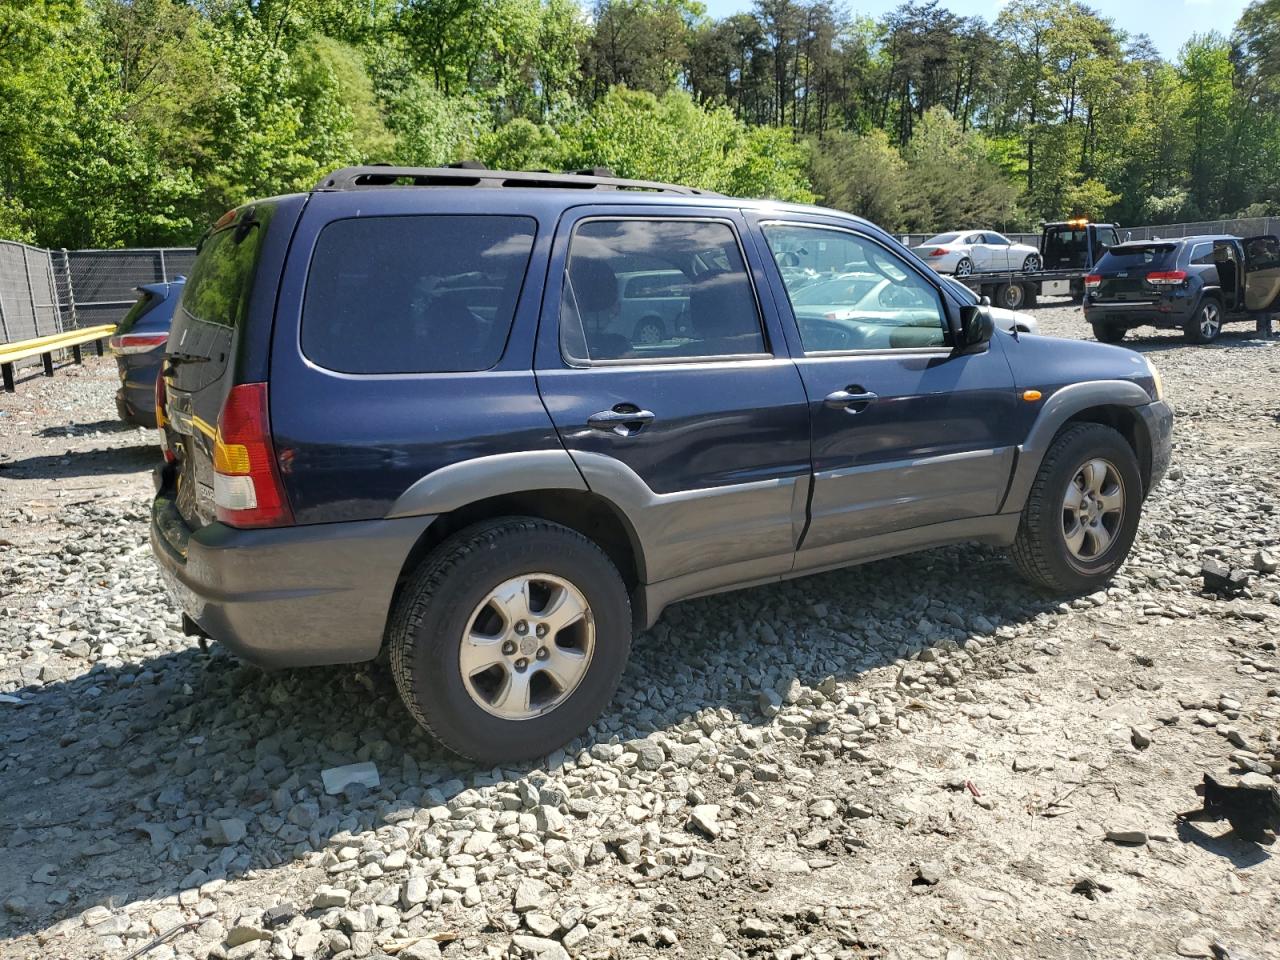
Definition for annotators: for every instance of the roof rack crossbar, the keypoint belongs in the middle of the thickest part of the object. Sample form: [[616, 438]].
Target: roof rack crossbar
[[376, 175]]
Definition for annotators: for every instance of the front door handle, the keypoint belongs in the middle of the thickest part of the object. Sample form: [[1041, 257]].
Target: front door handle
[[625, 419], [853, 398]]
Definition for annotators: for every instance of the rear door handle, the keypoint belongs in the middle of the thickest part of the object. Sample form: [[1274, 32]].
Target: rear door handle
[[854, 399], [625, 419]]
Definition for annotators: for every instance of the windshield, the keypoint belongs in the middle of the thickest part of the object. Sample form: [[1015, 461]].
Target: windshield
[[942, 238]]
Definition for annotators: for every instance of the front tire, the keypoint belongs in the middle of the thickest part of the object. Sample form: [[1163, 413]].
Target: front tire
[[510, 639], [1082, 513], [1108, 333], [1031, 264], [1205, 324]]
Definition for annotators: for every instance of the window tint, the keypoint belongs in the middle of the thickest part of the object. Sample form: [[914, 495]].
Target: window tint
[[414, 294], [1132, 256], [708, 307], [997, 239], [146, 300], [881, 304], [1202, 253], [656, 285], [222, 276]]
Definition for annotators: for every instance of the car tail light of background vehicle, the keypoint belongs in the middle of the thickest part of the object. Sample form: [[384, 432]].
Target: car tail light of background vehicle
[[123, 344], [247, 491], [1092, 281], [937, 252], [1167, 278]]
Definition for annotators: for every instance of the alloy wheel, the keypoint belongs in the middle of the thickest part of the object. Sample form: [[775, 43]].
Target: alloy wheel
[[1092, 509], [527, 646], [1210, 321], [964, 268]]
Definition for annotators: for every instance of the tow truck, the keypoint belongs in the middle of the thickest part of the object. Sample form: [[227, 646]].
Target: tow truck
[[1068, 251]]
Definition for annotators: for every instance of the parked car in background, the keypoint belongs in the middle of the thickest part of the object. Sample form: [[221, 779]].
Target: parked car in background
[[651, 304], [1010, 321], [1192, 284], [977, 251], [138, 346], [501, 492]]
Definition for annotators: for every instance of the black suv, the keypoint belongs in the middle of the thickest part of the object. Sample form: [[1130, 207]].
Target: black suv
[[1193, 284], [403, 410]]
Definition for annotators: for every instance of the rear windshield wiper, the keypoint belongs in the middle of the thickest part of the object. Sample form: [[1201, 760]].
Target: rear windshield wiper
[[187, 357]]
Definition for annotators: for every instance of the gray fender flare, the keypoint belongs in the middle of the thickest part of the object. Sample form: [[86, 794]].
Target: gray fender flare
[[481, 478], [1061, 406]]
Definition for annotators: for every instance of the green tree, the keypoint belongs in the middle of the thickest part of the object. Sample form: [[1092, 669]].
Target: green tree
[[861, 174]]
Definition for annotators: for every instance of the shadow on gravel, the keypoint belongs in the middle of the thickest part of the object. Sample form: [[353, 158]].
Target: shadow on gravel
[[1242, 853], [82, 429], [1227, 340], [86, 463], [138, 781]]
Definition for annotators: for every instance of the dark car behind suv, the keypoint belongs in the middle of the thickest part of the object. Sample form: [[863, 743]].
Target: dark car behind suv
[[138, 346], [399, 410], [1192, 284]]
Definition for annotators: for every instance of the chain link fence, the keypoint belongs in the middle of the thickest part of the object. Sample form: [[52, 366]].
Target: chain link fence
[[29, 304], [101, 285], [1247, 227]]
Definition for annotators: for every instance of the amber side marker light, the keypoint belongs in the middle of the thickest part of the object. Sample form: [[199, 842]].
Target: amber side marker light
[[1031, 396]]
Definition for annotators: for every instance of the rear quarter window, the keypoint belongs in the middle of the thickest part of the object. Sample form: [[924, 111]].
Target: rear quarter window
[[1155, 257], [221, 280], [414, 294]]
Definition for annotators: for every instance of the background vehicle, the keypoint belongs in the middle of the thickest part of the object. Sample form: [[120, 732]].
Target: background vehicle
[[1195, 284], [651, 304], [138, 346], [1067, 249], [1010, 321], [360, 446], [967, 252]]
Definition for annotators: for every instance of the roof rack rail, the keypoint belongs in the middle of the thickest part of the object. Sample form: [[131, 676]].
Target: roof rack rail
[[465, 175]]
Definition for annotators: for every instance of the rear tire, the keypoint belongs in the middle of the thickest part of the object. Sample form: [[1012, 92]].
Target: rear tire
[[1069, 539], [1205, 324], [964, 267], [1108, 333], [649, 331], [461, 605], [1011, 296]]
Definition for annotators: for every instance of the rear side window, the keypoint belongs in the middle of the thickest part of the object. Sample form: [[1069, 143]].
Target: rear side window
[[146, 300], [713, 305], [414, 294], [1156, 256]]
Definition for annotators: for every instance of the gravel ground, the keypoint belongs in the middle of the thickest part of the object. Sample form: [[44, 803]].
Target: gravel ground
[[917, 758]]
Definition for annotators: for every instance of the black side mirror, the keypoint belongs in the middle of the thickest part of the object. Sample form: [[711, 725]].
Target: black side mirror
[[976, 327]]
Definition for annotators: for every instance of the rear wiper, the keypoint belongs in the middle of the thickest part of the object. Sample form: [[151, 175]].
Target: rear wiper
[[187, 357]]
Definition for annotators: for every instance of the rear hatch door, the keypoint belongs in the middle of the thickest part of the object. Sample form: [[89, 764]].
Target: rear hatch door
[[220, 336], [1124, 271]]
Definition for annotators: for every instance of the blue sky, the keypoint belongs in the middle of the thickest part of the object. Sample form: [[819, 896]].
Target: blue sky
[[1169, 23]]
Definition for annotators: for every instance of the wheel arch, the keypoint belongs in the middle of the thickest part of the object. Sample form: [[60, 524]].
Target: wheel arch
[[1112, 403], [590, 514]]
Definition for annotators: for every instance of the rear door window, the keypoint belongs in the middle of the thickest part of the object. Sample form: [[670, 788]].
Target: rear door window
[[414, 294], [718, 315]]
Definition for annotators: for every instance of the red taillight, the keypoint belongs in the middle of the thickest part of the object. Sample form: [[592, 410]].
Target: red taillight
[[1092, 281], [126, 343], [1167, 278], [247, 490], [937, 252]]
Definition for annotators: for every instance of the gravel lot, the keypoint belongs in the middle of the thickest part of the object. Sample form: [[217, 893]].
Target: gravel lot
[[918, 758]]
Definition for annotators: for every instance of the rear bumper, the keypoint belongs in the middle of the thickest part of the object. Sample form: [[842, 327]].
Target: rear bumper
[[1130, 315], [136, 398], [1157, 418], [290, 596]]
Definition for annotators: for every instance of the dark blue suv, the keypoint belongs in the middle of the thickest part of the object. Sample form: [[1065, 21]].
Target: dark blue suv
[[400, 410], [138, 346]]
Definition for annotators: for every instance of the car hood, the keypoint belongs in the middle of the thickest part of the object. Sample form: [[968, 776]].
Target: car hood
[[1050, 363]]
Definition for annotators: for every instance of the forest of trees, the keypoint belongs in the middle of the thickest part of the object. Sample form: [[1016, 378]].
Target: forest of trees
[[138, 122]]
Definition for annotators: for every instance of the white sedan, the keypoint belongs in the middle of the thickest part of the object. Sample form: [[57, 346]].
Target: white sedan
[[1010, 321], [976, 251]]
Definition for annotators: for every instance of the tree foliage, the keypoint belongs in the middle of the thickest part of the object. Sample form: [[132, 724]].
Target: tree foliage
[[140, 121]]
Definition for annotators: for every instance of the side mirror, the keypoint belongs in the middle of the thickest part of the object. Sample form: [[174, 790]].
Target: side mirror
[[976, 327]]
